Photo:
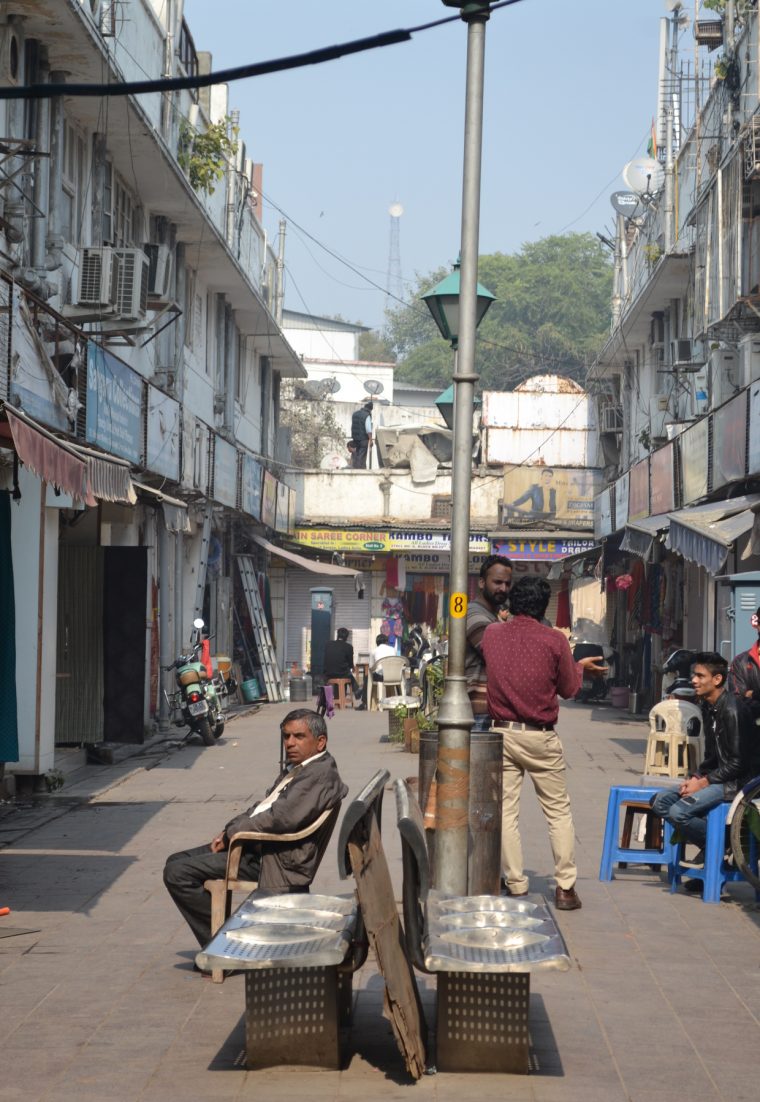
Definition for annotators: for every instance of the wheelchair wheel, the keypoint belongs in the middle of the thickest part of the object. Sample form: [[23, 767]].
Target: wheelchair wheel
[[745, 836]]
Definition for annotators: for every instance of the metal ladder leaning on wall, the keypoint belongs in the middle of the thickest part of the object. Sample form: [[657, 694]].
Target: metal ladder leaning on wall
[[269, 668]]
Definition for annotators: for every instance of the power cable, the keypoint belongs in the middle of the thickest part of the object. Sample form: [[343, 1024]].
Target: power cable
[[240, 72]]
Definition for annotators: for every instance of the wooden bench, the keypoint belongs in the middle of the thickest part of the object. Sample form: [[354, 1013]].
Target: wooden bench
[[482, 950]]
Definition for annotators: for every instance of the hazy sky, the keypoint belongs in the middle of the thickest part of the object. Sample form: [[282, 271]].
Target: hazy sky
[[571, 88]]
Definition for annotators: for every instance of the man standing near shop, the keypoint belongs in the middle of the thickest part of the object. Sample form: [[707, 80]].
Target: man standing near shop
[[361, 436], [730, 757], [527, 666], [488, 607]]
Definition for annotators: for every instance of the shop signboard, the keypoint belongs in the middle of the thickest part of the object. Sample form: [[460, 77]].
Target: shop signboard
[[114, 405], [336, 539], [729, 450], [638, 491], [253, 476], [547, 549], [621, 501], [164, 430], [754, 436], [434, 541], [439, 562], [30, 387], [269, 499], [562, 497], [661, 484], [291, 511], [603, 513], [282, 507], [225, 472], [694, 451]]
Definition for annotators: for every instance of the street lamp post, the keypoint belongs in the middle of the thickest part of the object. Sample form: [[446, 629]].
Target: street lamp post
[[455, 713]]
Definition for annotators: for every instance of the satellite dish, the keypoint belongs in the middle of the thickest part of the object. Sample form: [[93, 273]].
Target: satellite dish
[[330, 386], [395, 210], [644, 175], [372, 386], [627, 203]]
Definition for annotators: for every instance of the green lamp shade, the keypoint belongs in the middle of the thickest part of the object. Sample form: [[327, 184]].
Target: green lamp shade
[[443, 304]]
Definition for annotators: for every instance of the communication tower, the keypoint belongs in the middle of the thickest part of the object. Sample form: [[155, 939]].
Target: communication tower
[[394, 285]]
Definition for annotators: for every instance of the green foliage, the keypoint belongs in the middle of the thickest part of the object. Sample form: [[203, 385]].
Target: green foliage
[[314, 431], [203, 155], [551, 315], [426, 723], [375, 348], [54, 779]]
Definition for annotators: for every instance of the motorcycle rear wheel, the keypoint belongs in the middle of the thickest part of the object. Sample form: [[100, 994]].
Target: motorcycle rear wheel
[[744, 836], [219, 728], [204, 730]]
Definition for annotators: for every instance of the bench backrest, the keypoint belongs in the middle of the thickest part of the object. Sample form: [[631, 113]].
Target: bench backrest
[[368, 802], [416, 869]]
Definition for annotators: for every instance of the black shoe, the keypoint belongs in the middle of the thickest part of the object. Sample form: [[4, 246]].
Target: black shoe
[[694, 887], [360, 708]]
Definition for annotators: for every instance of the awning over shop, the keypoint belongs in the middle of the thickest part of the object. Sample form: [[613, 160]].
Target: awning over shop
[[304, 563], [176, 517], [704, 533], [108, 477], [640, 535], [50, 459]]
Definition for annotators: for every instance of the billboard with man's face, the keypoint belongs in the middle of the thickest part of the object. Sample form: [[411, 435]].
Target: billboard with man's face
[[552, 497]]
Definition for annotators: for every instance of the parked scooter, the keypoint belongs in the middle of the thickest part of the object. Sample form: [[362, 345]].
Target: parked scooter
[[418, 648], [196, 702], [679, 664]]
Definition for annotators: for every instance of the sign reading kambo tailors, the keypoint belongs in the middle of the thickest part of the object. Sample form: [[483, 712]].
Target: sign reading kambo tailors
[[550, 497], [114, 405]]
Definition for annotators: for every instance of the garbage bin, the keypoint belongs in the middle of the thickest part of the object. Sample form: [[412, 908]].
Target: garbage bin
[[298, 689]]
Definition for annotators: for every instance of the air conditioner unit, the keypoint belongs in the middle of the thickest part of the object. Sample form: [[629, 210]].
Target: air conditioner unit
[[611, 419], [160, 275], [749, 361], [132, 283], [98, 277], [683, 354], [723, 376]]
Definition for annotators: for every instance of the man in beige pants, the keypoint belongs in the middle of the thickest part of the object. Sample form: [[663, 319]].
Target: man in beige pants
[[527, 666]]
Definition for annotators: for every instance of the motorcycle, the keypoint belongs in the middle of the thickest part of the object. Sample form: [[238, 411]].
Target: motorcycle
[[679, 663], [593, 689], [418, 649], [196, 701]]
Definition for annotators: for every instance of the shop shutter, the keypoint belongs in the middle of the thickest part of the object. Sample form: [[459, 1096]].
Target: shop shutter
[[349, 612]]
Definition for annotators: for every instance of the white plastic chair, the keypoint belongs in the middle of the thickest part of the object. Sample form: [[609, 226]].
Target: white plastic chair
[[392, 670]]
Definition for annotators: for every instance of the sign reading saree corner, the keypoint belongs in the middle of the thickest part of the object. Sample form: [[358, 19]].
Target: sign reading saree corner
[[114, 405]]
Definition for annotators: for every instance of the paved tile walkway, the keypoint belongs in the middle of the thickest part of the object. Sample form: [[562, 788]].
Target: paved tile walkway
[[99, 1001]]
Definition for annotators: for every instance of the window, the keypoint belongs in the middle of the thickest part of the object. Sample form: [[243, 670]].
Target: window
[[118, 211], [72, 184]]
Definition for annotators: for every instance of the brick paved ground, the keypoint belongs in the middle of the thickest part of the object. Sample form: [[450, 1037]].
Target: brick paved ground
[[99, 1001]]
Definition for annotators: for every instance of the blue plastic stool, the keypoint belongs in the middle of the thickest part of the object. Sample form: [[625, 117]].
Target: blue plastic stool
[[716, 870], [613, 852]]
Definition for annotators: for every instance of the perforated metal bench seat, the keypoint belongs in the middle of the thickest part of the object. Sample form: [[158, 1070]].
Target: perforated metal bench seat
[[482, 949], [297, 996]]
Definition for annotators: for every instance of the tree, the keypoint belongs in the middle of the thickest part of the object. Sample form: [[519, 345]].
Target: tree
[[375, 348], [314, 430], [551, 315]]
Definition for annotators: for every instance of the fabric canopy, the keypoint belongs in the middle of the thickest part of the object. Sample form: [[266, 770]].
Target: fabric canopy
[[304, 563], [639, 536], [704, 534], [50, 459], [108, 478], [176, 517]]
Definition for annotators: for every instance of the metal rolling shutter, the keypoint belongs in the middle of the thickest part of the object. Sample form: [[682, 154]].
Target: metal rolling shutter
[[350, 613]]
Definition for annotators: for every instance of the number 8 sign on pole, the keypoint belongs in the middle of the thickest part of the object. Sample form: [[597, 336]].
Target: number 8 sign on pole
[[458, 605]]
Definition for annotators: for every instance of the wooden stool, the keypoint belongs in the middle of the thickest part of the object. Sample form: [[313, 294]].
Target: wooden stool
[[343, 691]]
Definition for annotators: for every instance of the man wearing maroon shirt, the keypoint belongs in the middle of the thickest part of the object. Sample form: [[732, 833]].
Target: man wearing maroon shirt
[[527, 666]]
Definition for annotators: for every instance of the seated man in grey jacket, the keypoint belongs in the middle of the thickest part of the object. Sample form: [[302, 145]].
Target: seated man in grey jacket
[[309, 785]]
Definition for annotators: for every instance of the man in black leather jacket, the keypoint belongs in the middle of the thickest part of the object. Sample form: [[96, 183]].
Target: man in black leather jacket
[[728, 761]]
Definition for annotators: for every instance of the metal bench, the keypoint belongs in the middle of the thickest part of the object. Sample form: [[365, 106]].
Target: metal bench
[[482, 950], [299, 953]]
